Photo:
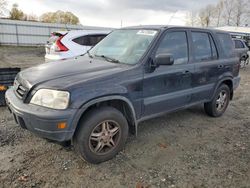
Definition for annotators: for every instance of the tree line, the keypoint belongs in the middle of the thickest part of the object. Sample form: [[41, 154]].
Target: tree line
[[50, 17], [225, 12]]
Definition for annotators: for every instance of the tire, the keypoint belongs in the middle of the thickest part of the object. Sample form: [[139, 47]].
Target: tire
[[217, 107], [248, 60], [101, 135]]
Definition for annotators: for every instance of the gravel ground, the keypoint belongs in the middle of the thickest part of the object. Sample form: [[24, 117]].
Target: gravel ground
[[23, 57], [182, 149]]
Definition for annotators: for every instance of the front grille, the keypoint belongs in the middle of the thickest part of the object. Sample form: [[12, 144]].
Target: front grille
[[20, 90]]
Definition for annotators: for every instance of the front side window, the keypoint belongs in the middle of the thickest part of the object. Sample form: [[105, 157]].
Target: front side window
[[175, 43], [124, 46], [204, 46]]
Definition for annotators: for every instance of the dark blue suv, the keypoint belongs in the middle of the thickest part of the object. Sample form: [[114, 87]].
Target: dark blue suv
[[132, 75]]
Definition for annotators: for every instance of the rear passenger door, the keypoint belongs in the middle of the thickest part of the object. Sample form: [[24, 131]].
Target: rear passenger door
[[169, 87], [208, 66]]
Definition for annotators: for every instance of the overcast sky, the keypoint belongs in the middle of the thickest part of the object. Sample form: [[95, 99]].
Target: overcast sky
[[111, 12]]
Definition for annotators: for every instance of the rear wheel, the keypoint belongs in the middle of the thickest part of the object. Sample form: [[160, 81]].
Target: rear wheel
[[219, 103], [101, 135]]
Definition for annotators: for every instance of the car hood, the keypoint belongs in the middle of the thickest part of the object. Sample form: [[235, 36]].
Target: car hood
[[67, 72]]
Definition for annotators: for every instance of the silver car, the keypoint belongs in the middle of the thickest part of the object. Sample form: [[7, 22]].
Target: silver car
[[242, 51]]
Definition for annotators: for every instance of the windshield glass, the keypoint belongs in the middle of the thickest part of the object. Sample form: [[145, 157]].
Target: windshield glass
[[124, 46]]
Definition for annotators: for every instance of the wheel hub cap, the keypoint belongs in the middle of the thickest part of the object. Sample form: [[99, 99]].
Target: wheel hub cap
[[104, 137], [221, 100]]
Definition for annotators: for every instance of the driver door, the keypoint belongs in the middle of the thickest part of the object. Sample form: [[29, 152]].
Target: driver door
[[169, 87]]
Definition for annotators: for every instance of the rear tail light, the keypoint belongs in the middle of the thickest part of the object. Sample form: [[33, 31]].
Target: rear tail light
[[60, 47]]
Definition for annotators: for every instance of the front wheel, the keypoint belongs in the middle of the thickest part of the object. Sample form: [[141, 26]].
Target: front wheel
[[219, 103], [101, 135]]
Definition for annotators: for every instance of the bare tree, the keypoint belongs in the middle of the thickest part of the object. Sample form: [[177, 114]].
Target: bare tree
[[206, 16], [3, 4], [192, 19], [240, 9], [247, 16], [229, 7], [218, 12], [30, 17], [228, 12]]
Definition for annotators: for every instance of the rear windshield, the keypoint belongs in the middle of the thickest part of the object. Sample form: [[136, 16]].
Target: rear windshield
[[226, 43]]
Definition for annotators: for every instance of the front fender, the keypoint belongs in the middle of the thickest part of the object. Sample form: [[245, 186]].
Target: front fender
[[81, 96]]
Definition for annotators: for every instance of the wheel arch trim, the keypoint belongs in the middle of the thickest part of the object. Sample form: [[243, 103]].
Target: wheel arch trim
[[85, 106], [228, 78]]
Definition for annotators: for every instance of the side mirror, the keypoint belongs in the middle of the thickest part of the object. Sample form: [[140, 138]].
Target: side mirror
[[164, 59]]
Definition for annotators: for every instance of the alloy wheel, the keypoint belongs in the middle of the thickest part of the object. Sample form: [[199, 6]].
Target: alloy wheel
[[104, 137], [221, 101]]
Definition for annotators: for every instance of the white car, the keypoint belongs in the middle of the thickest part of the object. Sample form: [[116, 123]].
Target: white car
[[68, 44]]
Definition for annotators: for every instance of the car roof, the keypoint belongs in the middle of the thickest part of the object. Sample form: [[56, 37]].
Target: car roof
[[162, 27], [83, 32], [239, 39]]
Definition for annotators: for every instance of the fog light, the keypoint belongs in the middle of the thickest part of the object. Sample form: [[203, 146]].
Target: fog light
[[3, 88], [62, 125]]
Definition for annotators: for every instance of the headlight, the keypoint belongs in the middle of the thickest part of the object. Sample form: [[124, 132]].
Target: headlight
[[51, 99]]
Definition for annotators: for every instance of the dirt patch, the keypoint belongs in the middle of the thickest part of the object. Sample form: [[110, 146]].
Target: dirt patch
[[22, 57], [182, 149]]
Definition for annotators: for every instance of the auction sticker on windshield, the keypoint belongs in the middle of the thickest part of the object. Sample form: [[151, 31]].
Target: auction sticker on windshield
[[147, 32]]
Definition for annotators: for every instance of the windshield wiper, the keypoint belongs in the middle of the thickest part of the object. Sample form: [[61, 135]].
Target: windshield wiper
[[91, 56], [110, 59]]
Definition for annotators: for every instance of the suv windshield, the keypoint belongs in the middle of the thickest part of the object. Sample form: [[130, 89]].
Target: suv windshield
[[124, 46]]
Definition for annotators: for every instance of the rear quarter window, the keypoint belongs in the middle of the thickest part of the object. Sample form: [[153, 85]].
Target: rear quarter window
[[226, 43], [239, 44], [89, 40]]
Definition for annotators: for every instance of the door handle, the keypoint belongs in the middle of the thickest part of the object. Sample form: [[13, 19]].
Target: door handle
[[183, 73], [186, 72]]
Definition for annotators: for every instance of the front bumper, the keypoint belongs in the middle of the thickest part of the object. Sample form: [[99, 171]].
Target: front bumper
[[40, 120]]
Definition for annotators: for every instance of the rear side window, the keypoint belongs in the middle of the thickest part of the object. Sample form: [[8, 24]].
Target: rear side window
[[204, 46], [175, 43], [226, 43], [89, 40], [238, 44]]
